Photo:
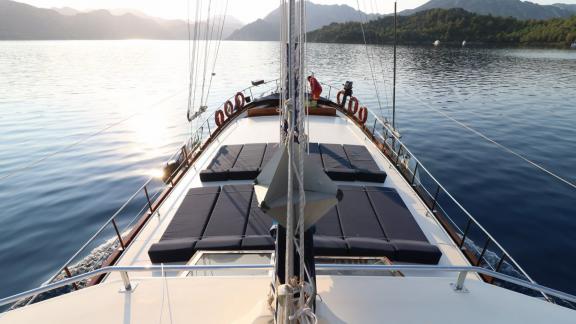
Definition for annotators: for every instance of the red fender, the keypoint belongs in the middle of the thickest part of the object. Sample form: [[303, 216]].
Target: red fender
[[339, 97], [363, 115], [239, 100], [353, 106], [219, 117], [228, 108]]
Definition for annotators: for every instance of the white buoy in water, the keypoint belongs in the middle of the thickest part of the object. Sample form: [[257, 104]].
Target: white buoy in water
[[437, 43], [464, 43]]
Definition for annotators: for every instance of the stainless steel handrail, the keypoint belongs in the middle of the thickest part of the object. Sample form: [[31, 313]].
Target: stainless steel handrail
[[458, 285]]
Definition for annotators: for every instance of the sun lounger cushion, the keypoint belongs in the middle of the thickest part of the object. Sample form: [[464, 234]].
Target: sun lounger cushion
[[258, 242], [396, 219], [336, 163], [192, 215], [247, 165], [219, 243], [230, 212], [177, 250], [222, 162], [416, 252], [362, 161]]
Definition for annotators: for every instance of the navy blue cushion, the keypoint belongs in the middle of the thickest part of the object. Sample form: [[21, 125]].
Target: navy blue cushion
[[177, 250], [396, 219], [370, 247], [219, 243], [338, 174], [192, 215], [258, 222], [230, 213], [416, 252], [330, 246], [356, 214], [247, 165], [225, 158], [258, 242]]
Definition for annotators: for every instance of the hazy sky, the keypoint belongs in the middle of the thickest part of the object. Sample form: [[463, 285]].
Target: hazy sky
[[245, 10]]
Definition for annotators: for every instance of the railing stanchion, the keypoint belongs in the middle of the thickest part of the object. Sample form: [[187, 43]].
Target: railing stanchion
[[414, 174], [185, 154], [209, 130], [374, 127], [459, 286], [118, 234], [483, 251], [69, 275], [126, 280], [501, 261], [434, 202], [465, 233], [148, 199]]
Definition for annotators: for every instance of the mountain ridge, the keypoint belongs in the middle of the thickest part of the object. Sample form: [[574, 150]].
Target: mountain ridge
[[268, 28], [20, 21], [518, 9]]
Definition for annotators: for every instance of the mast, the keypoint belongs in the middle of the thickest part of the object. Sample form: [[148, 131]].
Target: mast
[[394, 78]]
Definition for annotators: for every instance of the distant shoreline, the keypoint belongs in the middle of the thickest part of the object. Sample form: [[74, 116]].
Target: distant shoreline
[[470, 44]]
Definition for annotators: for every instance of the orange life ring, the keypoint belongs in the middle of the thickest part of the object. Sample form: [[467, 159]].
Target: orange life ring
[[219, 116], [239, 100], [353, 106], [228, 108], [363, 115], [339, 97]]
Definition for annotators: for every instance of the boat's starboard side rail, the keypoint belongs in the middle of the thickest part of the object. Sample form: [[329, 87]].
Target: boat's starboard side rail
[[476, 243], [458, 285]]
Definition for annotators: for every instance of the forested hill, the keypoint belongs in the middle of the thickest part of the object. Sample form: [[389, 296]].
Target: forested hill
[[452, 26]]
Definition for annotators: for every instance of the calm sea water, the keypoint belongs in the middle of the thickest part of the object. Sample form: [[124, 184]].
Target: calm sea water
[[53, 94]]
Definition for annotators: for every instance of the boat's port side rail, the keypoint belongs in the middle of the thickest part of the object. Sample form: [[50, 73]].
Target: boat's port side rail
[[108, 243], [459, 285], [476, 243]]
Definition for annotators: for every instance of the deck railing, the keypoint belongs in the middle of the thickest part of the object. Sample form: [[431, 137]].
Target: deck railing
[[458, 285], [476, 243], [107, 244]]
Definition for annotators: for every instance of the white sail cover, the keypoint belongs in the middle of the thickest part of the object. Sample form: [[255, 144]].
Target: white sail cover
[[271, 188]]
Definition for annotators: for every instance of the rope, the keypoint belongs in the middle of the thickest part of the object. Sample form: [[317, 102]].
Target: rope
[[499, 145], [165, 293], [82, 140], [369, 58]]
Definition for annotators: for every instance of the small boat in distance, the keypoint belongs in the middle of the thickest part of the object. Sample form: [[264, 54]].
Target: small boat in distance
[[464, 43], [573, 46], [437, 43]]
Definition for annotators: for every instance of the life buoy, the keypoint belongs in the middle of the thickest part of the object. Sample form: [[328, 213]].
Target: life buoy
[[239, 100], [339, 97], [363, 115], [219, 117], [353, 106], [228, 108]]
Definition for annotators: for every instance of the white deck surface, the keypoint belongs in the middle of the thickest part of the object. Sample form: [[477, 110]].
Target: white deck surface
[[265, 130], [342, 300], [416, 298]]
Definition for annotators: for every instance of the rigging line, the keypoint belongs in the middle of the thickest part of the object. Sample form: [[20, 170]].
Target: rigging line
[[195, 50], [376, 10], [501, 146], [206, 51], [217, 49], [82, 140], [191, 91], [369, 59]]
